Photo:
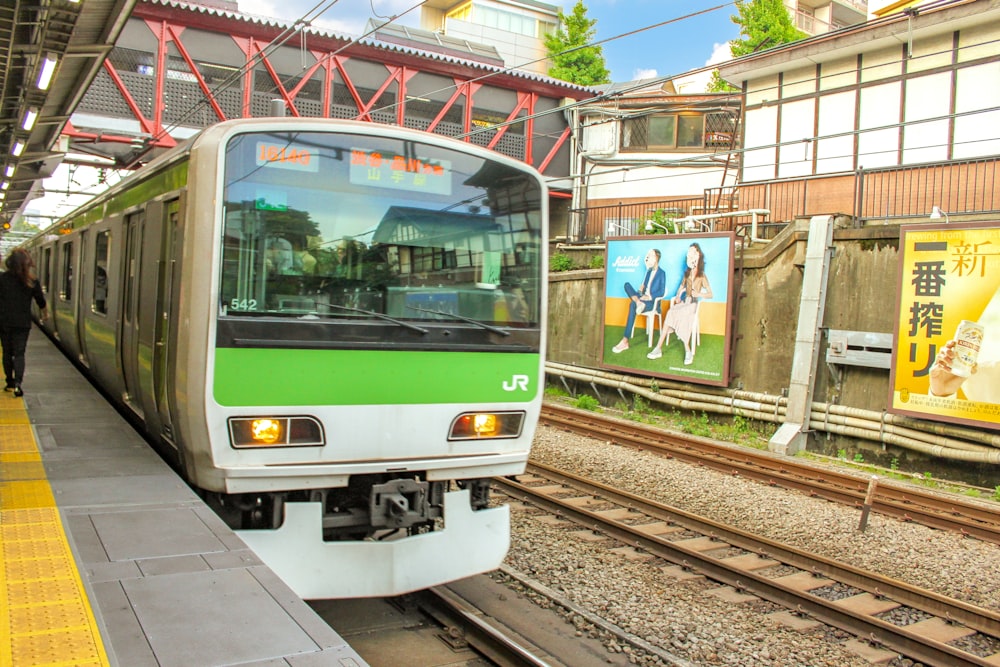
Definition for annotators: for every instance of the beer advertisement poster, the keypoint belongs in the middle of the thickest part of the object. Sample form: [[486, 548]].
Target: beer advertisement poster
[[667, 306], [946, 358]]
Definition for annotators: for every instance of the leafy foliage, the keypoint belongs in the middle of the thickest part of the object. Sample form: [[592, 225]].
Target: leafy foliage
[[763, 24], [586, 402], [560, 262], [663, 222], [719, 85], [573, 60]]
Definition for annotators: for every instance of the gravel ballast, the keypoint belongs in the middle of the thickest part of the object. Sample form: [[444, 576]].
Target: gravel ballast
[[701, 628]]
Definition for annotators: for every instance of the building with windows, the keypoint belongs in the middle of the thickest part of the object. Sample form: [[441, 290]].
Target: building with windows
[[648, 147], [516, 28], [815, 17], [884, 121]]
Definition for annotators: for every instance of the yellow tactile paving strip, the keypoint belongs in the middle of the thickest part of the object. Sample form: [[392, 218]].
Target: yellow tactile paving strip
[[45, 616]]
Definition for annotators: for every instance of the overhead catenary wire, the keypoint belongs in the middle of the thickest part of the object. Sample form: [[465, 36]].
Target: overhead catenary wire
[[703, 158], [304, 22], [320, 8], [301, 24]]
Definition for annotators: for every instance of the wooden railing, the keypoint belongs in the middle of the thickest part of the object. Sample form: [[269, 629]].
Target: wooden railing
[[958, 187]]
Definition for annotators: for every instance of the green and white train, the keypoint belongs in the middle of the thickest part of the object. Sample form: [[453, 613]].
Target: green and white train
[[334, 329]]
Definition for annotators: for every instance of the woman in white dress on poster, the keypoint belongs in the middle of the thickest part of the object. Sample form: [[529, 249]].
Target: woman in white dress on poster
[[683, 313]]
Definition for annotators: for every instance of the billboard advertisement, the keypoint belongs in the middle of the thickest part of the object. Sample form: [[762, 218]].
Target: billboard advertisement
[[946, 357], [668, 306]]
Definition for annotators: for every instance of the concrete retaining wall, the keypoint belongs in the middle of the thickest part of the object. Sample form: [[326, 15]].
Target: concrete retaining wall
[[861, 296]]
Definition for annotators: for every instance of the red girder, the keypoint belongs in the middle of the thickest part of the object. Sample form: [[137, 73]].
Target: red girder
[[523, 100], [338, 62], [289, 99], [459, 91], [174, 35], [161, 74], [169, 27], [153, 128], [555, 149]]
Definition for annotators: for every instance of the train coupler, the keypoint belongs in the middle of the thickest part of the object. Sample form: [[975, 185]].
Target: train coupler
[[400, 503]]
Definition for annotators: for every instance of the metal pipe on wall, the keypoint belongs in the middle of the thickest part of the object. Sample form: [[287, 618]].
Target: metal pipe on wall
[[977, 447]]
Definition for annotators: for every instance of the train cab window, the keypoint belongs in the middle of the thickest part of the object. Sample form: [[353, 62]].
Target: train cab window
[[66, 288], [322, 225], [102, 251]]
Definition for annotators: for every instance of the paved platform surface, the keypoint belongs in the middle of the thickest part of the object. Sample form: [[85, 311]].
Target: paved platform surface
[[108, 558]]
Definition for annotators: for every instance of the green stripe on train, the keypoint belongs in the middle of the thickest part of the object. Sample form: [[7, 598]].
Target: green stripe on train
[[256, 376], [166, 180]]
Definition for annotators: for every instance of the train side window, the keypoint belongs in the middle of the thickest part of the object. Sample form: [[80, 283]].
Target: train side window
[[134, 224], [66, 289], [102, 251]]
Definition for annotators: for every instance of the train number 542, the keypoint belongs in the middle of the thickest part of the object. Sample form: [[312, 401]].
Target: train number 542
[[243, 304]]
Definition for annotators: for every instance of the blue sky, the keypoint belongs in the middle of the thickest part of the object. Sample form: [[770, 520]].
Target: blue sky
[[669, 49], [679, 46]]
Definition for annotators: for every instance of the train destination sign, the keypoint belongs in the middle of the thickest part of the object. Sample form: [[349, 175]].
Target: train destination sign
[[388, 170], [286, 156]]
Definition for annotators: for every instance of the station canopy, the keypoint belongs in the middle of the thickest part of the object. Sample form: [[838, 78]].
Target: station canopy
[[50, 52]]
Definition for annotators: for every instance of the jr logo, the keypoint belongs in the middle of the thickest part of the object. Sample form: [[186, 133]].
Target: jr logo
[[516, 382]]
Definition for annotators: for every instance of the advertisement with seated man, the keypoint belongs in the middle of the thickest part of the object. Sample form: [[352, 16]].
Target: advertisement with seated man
[[667, 305]]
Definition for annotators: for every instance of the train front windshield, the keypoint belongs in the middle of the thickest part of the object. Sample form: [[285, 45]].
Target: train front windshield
[[334, 225]]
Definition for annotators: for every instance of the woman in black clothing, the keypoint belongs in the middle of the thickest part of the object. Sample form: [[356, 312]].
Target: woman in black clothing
[[18, 286]]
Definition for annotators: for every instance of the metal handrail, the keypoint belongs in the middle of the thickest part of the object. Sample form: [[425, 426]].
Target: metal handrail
[[958, 187]]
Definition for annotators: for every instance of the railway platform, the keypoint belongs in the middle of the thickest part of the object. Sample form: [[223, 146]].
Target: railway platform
[[109, 558]]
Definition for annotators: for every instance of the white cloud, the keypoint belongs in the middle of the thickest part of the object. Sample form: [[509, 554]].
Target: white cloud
[[345, 16], [698, 83], [720, 54], [258, 8], [643, 74]]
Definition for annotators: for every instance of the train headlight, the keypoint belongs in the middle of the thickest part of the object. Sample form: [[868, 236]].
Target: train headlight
[[275, 432], [486, 425], [265, 431]]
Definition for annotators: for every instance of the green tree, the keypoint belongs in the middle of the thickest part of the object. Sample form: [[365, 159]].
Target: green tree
[[573, 60], [719, 85], [763, 24]]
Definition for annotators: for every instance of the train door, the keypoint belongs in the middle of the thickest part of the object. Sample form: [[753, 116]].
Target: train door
[[81, 316], [45, 276], [64, 321], [129, 335], [164, 352]]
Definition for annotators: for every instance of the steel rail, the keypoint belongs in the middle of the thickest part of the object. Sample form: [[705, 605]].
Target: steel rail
[[488, 640], [907, 504], [862, 625]]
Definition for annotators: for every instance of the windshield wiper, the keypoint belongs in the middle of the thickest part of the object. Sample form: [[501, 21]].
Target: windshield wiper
[[372, 313], [488, 327]]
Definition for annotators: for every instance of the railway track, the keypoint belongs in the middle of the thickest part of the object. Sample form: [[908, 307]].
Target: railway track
[[474, 622], [938, 630], [466, 625], [891, 499]]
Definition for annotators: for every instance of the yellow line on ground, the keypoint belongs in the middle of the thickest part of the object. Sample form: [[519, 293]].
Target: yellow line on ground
[[45, 615]]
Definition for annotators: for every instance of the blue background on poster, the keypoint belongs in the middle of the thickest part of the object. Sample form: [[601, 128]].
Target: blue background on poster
[[626, 262]]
